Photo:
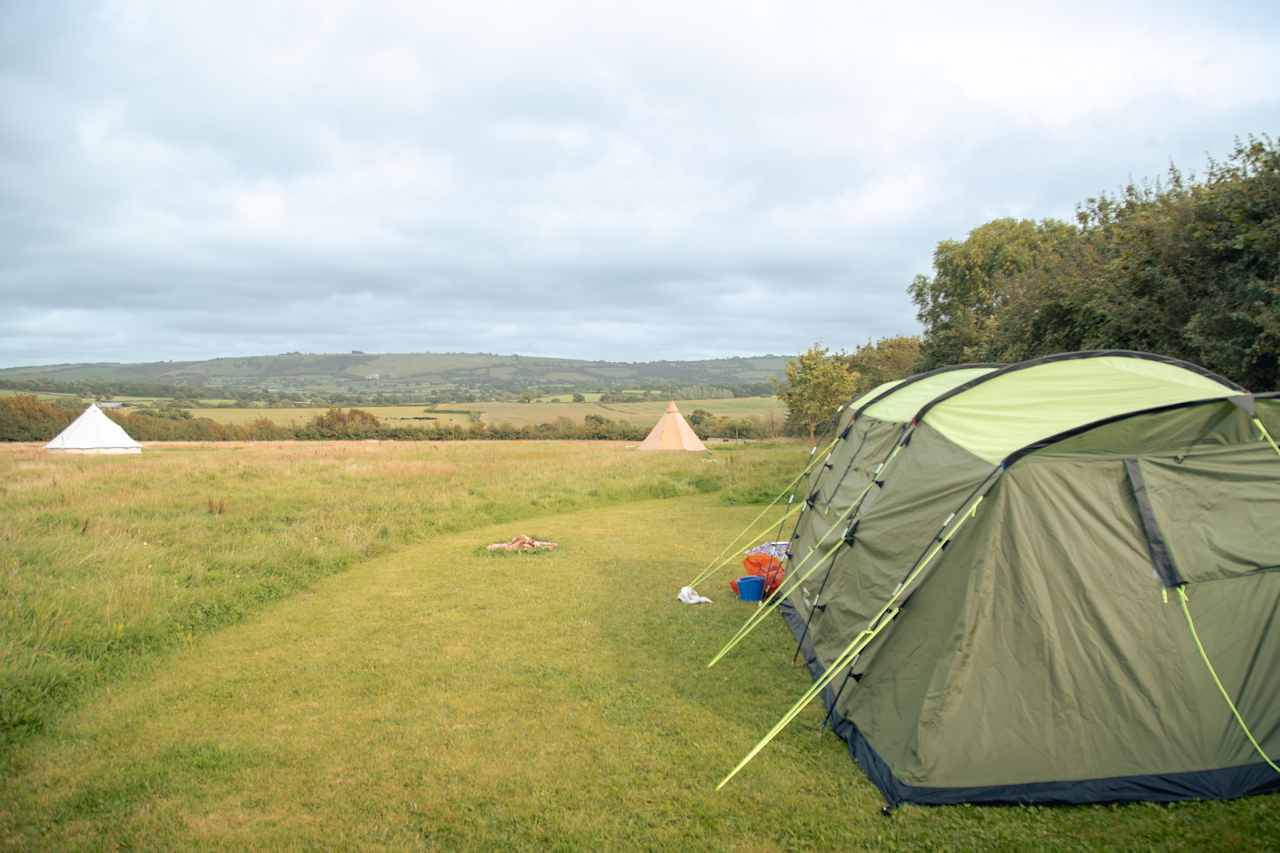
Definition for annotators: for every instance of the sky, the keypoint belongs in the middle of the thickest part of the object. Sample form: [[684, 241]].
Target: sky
[[591, 180]]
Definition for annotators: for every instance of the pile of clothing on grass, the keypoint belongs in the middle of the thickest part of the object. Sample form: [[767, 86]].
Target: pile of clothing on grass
[[764, 561]]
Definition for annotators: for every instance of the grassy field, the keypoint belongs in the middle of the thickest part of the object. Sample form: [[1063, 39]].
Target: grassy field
[[591, 397], [107, 559], [61, 395], [388, 684], [396, 415], [522, 414], [41, 395], [517, 414]]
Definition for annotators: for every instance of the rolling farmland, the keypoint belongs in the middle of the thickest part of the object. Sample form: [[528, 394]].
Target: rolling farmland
[[516, 414]]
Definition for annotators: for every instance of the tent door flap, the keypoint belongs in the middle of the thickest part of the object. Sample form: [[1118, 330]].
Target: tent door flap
[[1157, 546]]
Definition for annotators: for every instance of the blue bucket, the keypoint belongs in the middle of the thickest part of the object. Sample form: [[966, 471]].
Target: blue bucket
[[751, 588]]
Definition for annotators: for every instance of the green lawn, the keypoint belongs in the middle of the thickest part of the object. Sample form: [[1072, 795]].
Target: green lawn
[[434, 695], [107, 560]]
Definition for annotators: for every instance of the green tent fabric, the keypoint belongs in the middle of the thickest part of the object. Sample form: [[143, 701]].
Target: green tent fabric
[[1208, 509], [1024, 529], [1019, 406]]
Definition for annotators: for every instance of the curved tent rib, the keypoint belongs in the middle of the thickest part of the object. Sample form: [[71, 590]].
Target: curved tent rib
[[1080, 429], [875, 392], [892, 399], [999, 413]]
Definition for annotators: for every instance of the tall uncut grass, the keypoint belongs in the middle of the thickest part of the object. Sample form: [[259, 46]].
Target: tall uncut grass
[[107, 561]]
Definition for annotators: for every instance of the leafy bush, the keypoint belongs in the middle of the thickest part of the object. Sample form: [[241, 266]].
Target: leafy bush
[[1188, 268], [25, 418]]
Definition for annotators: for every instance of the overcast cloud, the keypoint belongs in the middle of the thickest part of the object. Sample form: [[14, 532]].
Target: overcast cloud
[[657, 181]]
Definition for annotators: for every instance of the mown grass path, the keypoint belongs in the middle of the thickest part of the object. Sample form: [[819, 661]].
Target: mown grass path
[[442, 697], [108, 561]]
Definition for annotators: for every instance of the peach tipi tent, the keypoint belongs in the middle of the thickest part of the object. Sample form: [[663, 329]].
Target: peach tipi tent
[[671, 432]]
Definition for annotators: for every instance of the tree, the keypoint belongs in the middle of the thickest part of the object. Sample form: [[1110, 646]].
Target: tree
[[885, 360], [817, 382], [343, 424], [1183, 267], [960, 304], [23, 417], [1193, 267]]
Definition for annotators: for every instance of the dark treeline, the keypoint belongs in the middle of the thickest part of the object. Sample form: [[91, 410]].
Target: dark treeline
[[1188, 267], [26, 418]]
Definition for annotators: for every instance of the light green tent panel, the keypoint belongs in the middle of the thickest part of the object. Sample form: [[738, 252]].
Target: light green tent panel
[[1011, 411], [848, 411], [903, 404], [875, 392]]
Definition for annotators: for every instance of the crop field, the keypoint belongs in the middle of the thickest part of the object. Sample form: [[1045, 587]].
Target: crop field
[[395, 415], [41, 395], [63, 395], [516, 414], [589, 397], [298, 645], [524, 414]]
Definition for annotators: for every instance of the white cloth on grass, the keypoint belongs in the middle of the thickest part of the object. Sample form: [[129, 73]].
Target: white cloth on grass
[[689, 596]]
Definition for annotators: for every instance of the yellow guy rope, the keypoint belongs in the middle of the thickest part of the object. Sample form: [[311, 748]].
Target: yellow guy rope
[[706, 573], [1195, 635], [796, 578], [863, 639], [1271, 441], [877, 623], [715, 566], [762, 612]]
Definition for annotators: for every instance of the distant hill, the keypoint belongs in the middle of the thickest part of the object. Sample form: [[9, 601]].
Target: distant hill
[[443, 376]]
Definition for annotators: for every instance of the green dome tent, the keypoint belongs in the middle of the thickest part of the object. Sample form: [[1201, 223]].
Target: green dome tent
[[1054, 581]]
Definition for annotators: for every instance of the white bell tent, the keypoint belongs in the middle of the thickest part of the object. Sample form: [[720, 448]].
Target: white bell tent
[[93, 432]]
